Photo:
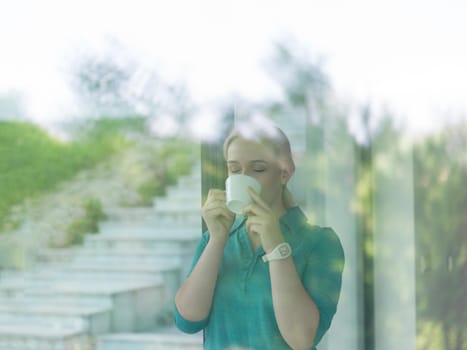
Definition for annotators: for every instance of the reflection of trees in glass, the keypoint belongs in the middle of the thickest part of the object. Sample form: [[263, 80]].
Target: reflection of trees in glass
[[363, 207], [305, 112], [441, 233], [101, 84], [301, 78], [307, 92], [214, 169], [440, 178], [114, 83], [328, 139], [377, 155]]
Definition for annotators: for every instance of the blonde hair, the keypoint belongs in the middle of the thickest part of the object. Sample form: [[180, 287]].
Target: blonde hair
[[272, 137]]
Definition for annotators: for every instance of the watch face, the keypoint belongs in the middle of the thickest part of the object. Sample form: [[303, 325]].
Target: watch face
[[284, 250]]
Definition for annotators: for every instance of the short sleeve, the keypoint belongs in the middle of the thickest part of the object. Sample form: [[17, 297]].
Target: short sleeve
[[183, 324], [322, 277]]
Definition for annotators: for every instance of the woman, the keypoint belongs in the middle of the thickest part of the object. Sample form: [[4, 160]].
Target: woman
[[240, 299]]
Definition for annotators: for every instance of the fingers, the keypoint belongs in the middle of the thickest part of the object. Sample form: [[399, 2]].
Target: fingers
[[216, 199], [216, 194], [254, 209], [214, 202], [257, 198], [215, 207], [253, 229], [216, 212], [259, 207], [254, 224]]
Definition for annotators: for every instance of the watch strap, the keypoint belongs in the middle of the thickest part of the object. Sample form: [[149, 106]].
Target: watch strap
[[282, 251]]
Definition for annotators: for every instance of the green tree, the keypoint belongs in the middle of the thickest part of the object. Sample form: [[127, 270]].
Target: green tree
[[33, 162], [101, 84], [301, 77], [115, 84], [441, 233], [308, 93]]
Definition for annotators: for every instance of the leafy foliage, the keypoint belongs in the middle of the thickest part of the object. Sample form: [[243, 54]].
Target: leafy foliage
[[93, 213], [174, 159], [440, 178], [32, 162], [441, 233]]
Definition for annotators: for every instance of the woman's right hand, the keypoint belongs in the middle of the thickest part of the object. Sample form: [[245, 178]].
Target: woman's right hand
[[217, 217]]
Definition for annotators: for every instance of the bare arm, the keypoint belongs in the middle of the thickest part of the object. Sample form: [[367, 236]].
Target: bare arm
[[297, 315], [194, 298]]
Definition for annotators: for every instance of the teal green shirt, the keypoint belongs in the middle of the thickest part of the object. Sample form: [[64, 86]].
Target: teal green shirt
[[242, 314]]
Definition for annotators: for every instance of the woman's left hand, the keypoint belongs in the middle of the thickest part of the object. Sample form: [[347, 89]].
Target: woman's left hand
[[263, 221]]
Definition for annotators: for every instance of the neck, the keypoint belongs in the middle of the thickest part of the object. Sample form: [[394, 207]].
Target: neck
[[279, 209]]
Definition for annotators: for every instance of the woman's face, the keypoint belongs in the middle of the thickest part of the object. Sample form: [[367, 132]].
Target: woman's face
[[258, 161]]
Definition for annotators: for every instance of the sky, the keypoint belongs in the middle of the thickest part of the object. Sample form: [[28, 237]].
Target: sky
[[409, 55]]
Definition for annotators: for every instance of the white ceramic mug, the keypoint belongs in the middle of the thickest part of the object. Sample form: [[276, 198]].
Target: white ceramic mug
[[236, 187]]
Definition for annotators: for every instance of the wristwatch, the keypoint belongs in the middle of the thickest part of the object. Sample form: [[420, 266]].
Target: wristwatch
[[282, 251]]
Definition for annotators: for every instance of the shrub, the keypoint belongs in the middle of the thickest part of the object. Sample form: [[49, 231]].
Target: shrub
[[174, 159], [32, 162], [88, 223]]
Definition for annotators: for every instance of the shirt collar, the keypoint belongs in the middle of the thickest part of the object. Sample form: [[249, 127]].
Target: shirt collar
[[293, 218], [238, 222]]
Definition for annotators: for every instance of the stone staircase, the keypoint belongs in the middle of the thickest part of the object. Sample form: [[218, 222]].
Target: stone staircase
[[112, 292]]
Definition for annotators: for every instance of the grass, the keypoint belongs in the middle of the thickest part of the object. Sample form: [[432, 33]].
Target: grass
[[174, 159], [32, 162], [87, 224]]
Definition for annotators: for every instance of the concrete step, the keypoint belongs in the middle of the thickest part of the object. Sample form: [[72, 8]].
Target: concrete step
[[47, 297], [156, 266], [179, 196], [171, 272], [117, 254], [134, 215], [44, 335], [176, 216], [89, 268], [13, 285], [169, 217], [180, 204], [153, 243], [163, 231], [192, 193], [190, 181], [121, 250], [33, 291], [120, 283], [181, 255], [56, 256], [57, 276], [150, 341], [135, 305], [95, 319], [130, 258]]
